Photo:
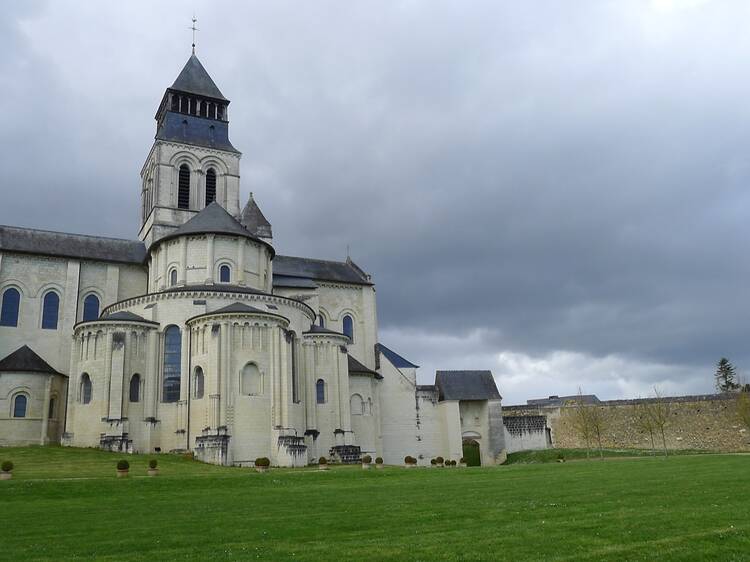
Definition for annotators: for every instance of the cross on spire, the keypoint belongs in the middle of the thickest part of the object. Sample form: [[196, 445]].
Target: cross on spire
[[194, 30]]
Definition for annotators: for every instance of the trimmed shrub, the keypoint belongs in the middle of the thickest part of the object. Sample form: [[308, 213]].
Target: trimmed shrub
[[440, 460], [322, 460], [123, 465], [367, 459], [433, 462], [7, 466], [453, 463], [379, 460], [408, 459], [263, 462], [462, 461], [152, 464]]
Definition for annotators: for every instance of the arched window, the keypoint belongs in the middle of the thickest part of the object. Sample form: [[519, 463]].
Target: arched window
[[19, 406], [198, 383], [349, 327], [252, 384], [135, 388], [51, 410], [9, 309], [320, 391], [50, 310], [173, 278], [84, 396], [172, 367], [183, 188], [224, 274], [321, 321], [356, 405], [210, 186], [90, 308]]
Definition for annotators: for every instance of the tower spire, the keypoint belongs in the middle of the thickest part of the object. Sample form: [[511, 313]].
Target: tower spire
[[194, 30]]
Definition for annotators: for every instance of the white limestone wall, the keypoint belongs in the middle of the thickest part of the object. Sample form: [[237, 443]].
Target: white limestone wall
[[365, 414], [37, 427], [197, 260], [398, 415], [339, 299], [73, 280]]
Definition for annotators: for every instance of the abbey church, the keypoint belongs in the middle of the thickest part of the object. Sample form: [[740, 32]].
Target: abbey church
[[197, 336]]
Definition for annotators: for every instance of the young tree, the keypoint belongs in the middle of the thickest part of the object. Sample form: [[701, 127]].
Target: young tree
[[582, 421], [743, 407], [643, 422], [726, 378], [659, 410], [598, 421]]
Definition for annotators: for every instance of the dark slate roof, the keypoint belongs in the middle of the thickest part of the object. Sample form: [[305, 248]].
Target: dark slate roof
[[125, 316], [195, 130], [213, 219], [357, 368], [194, 79], [293, 282], [253, 219], [315, 329], [320, 270], [239, 307], [81, 246], [395, 358], [25, 360], [219, 288], [466, 385]]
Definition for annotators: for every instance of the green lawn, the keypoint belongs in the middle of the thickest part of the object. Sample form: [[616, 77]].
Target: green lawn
[[67, 504]]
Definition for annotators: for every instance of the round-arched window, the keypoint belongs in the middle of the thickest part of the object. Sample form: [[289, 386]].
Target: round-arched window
[[225, 274], [348, 327]]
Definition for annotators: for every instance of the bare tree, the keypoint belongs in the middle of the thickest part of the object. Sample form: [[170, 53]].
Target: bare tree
[[659, 410], [643, 422], [598, 421], [582, 421]]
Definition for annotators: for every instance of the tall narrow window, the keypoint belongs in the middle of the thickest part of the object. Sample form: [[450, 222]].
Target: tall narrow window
[[172, 368], [51, 409], [183, 188], [349, 327], [84, 396], [198, 383], [135, 388], [321, 321], [90, 308], [320, 391], [50, 310], [293, 347], [173, 278], [9, 307], [210, 186], [224, 274], [19, 406]]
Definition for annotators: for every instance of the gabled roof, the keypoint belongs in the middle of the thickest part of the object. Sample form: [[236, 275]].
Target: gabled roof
[[49, 243], [125, 316], [239, 307], [293, 282], [253, 219], [466, 385], [395, 358], [25, 360], [194, 79], [320, 270], [357, 368], [213, 219]]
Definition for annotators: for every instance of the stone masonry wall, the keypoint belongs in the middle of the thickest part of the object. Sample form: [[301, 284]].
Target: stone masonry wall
[[707, 422]]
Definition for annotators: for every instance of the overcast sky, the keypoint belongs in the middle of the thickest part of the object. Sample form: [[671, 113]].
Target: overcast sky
[[557, 191]]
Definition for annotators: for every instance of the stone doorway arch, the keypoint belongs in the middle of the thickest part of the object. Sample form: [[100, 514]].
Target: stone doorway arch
[[472, 452]]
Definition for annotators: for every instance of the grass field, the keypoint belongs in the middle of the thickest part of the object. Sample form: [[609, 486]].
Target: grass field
[[67, 504]]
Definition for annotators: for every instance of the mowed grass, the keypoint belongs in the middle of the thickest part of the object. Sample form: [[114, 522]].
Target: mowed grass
[[676, 508]]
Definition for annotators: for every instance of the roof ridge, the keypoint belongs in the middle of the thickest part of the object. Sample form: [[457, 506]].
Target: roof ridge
[[315, 259], [70, 233]]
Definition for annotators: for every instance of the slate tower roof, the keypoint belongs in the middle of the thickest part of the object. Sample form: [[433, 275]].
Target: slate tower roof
[[253, 219], [194, 79]]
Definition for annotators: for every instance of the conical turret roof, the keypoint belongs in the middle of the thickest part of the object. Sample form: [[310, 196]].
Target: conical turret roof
[[194, 79], [252, 218]]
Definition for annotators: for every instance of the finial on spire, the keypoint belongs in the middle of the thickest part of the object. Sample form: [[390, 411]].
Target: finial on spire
[[194, 30]]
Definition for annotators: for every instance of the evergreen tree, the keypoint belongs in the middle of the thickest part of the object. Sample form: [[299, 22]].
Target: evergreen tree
[[725, 376]]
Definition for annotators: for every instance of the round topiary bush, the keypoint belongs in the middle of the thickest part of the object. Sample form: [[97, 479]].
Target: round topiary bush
[[263, 462], [367, 459], [7, 466], [433, 462], [152, 464], [379, 460], [440, 460], [408, 459], [453, 463], [123, 465], [462, 461], [322, 460]]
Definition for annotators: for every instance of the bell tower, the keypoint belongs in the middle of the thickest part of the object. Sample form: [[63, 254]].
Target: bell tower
[[191, 162]]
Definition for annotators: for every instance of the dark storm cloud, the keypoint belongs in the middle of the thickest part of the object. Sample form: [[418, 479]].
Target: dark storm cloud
[[535, 187]]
